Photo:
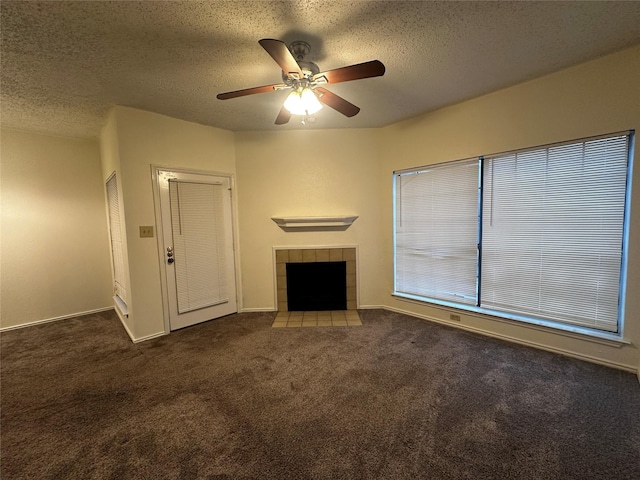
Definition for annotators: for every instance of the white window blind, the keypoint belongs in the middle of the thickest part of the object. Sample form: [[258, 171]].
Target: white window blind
[[552, 232], [115, 229], [436, 232], [199, 246]]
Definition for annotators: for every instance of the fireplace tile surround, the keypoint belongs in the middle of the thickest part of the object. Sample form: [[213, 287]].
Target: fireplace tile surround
[[315, 254]]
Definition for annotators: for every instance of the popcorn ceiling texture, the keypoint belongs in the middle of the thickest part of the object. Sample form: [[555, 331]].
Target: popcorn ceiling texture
[[64, 64]]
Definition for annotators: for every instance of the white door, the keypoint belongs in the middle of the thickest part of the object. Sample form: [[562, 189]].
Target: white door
[[198, 246]]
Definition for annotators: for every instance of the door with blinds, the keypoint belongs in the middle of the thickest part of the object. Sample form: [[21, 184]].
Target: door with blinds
[[198, 246], [117, 248]]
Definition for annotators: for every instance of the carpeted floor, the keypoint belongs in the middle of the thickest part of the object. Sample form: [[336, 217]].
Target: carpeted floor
[[398, 398]]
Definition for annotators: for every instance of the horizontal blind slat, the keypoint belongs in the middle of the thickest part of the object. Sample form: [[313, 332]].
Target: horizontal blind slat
[[198, 241], [117, 249], [553, 232], [436, 232]]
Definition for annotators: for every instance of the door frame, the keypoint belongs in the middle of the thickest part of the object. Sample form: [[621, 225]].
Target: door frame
[[155, 176]]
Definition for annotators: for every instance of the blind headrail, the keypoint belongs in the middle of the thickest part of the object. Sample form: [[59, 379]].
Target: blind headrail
[[423, 168], [558, 144]]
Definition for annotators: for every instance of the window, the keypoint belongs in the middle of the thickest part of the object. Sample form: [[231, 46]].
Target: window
[[437, 232], [537, 234]]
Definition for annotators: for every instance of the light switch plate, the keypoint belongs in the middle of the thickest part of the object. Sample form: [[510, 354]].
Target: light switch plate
[[146, 231]]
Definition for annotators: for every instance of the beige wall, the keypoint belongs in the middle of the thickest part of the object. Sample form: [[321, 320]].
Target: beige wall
[[145, 139], [307, 173], [594, 98], [54, 255]]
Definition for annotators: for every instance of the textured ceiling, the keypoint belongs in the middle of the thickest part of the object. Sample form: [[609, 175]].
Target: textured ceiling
[[65, 63]]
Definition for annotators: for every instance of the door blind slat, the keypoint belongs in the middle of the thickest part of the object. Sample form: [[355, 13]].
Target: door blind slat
[[115, 228], [199, 244]]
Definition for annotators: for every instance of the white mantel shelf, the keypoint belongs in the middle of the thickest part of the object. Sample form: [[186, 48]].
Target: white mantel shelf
[[315, 222]]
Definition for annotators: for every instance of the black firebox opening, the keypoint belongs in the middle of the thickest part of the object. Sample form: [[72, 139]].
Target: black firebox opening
[[317, 286]]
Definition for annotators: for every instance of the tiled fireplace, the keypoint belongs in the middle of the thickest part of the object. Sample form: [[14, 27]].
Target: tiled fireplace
[[312, 255]]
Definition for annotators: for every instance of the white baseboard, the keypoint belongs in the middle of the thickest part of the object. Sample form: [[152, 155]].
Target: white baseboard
[[124, 325], [568, 353], [131, 336], [148, 337], [141, 339], [257, 309], [55, 319]]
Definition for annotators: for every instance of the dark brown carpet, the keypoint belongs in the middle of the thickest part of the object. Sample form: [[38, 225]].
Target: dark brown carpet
[[398, 398]]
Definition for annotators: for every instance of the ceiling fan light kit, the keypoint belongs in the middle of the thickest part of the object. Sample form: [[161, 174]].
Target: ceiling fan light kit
[[306, 80], [302, 102]]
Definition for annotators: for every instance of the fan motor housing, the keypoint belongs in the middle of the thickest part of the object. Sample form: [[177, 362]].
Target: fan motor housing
[[299, 50], [309, 69]]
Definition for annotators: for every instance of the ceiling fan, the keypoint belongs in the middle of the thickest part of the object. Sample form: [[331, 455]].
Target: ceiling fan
[[305, 81]]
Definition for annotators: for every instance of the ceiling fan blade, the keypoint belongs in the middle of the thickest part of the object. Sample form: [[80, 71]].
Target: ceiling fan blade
[[283, 117], [250, 91], [281, 54], [374, 68], [337, 103]]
